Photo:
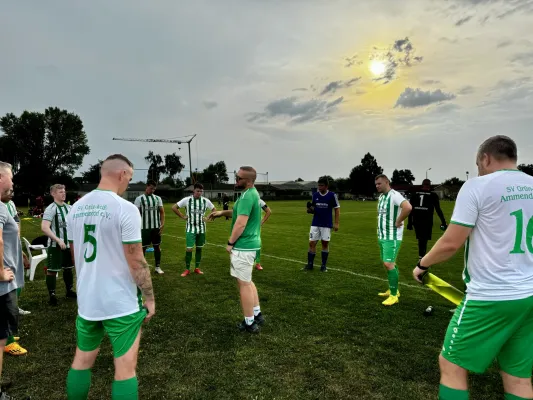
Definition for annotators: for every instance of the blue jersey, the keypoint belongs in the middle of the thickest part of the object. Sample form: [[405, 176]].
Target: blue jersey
[[324, 205]]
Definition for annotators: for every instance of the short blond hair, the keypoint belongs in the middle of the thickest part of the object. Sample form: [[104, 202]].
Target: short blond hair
[[55, 187], [5, 166]]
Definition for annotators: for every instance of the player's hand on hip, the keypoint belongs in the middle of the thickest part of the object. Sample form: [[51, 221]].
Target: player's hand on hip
[[399, 224], [150, 307], [7, 275], [61, 244], [418, 274], [229, 248]]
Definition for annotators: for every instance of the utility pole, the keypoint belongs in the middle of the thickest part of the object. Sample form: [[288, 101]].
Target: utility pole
[[166, 141]]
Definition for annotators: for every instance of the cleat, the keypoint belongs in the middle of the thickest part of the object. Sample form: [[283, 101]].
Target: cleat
[[185, 273], [159, 270], [391, 300], [198, 271], [323, 268], [254, 328], [259, 319], [53, 300], [15, 349], [258, 267], [23, 312], [71, 294], [307, 268], [387, 293]]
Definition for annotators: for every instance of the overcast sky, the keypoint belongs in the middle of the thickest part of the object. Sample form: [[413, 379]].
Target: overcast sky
[[298, 88]]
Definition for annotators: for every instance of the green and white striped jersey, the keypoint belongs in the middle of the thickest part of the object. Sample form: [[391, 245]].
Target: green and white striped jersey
[[195, 209], [388, 211], [149, 207], [12, 209], [57, 215]]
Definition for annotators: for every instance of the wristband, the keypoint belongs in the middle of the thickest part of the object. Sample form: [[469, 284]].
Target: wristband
[[421, 267], [230, 244]]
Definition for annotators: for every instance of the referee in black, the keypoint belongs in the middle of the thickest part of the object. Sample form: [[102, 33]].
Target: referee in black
[[424, 202]]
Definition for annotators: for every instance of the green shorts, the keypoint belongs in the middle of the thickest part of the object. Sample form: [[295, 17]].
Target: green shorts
[[194, 239], [150, 237], [122, 332], [58, 259], [482, 331], [389, 249]]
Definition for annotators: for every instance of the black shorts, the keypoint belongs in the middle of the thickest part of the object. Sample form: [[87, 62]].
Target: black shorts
[[151, 237], [423, 231], [9, 315]]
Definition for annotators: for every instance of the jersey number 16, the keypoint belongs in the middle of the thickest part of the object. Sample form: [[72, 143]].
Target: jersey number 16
[[519, 214]]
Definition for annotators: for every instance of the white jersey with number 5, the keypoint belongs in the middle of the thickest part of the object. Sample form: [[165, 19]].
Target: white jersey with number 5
[[498, 261], [98, 225]]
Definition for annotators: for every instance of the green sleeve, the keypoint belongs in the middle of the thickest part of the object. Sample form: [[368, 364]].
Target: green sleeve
[[246, 203]]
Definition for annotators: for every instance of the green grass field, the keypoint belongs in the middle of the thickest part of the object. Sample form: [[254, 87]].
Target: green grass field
[[327, 336]]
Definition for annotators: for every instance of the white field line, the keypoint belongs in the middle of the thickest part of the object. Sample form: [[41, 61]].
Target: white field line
[[304, 263]]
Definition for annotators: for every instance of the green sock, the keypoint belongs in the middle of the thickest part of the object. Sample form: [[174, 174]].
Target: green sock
[[393, 281], [10, 339], [51, 283], [198, 257], [18, 291], [188, 259], [125, 390], [78, 384], [258, 257], [509, 396], [446, 393]]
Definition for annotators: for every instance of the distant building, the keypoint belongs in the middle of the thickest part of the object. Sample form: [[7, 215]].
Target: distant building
[[134, 190]]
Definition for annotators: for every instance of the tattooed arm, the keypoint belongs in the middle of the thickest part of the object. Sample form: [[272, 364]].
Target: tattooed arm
[[140, 272]]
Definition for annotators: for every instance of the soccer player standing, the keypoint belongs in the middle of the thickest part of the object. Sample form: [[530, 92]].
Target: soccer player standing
[[153, 220], [323, 201], [54, 225], [105, 234], [196, 206], [393, 209], [244, 241], [424, 202], [268, 212], [493, 215]]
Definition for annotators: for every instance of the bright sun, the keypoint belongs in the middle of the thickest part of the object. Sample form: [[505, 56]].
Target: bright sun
[[377, 67]]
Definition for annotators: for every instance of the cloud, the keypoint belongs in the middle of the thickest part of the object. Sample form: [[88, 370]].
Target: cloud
[[505, 43], [430, 82], [523, 58], [467, 90], [350, 61], [400, 53], [210, 104], [332, 87], [411, 98], [302, 89], [297, 112], [463, 21], [448, 40]]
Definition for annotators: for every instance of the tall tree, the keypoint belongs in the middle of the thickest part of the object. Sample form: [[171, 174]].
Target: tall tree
[[299, 180], [173, 165], [343, 184], [453, 182], [43, 146], [527, 168], [362, 176], [402, 177], [92, 175], [156, 166], [215, 173]]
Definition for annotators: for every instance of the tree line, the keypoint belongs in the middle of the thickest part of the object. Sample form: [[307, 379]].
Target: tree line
[[50, 146]]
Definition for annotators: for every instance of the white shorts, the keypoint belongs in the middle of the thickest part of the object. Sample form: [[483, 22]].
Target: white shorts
[[319, 233], [242, 264]]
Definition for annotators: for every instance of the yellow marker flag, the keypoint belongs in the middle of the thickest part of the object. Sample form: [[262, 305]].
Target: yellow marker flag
[[443, 288]]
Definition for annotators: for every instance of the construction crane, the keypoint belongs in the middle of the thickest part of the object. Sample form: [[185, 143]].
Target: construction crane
[[165, 141]]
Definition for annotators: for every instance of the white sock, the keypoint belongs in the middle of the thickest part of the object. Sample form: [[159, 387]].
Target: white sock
[[249, 320], [257, 310]]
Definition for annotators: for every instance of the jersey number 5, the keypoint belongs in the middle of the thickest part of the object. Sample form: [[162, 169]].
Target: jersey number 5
[[90, 239], [519, 214]]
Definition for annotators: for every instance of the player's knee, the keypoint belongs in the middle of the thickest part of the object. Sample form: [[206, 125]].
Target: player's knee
[[389, 265], [518, 386]]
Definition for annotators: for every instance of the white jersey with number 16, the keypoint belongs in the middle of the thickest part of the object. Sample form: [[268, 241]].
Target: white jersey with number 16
[[98, 225], [498, 261]]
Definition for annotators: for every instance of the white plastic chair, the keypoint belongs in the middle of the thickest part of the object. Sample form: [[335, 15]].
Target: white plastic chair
[[34, 260]]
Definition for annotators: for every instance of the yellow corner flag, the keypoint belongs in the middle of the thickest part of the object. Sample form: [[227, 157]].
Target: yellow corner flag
[[443, 288]]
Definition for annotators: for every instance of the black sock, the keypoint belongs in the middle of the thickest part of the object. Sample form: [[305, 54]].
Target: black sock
[[157, 255], [325, 254], [310, 258], [68, 277], [422, 248], [51, 284]]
